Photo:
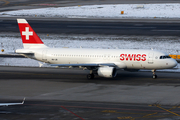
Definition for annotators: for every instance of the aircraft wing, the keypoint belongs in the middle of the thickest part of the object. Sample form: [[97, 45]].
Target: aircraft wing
[[85, 65], [7, 104]]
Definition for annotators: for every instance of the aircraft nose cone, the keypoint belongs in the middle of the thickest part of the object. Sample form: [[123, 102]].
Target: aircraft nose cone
[[174, 63]]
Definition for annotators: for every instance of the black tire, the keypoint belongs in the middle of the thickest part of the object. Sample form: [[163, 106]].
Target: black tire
[[90, 76], [154, 76]]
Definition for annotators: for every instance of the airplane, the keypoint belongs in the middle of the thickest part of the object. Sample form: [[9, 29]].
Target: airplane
[[102, 62], [8, 104]]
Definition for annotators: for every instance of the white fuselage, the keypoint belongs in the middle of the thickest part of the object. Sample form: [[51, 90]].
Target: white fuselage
[[103, 62], [122, 58]]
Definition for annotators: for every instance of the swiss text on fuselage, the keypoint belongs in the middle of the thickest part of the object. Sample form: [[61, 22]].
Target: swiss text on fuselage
[[133, 57]]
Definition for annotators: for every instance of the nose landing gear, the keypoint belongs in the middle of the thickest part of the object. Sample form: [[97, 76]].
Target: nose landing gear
[[154, 74]]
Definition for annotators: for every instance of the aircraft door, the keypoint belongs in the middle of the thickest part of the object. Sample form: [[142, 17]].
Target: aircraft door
[[150, 58], [44, 56]]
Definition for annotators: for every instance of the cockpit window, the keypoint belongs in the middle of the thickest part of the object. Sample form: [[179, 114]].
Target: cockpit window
[[165, 57]]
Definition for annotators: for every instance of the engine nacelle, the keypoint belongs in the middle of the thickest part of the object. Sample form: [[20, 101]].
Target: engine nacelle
[[108, 72]]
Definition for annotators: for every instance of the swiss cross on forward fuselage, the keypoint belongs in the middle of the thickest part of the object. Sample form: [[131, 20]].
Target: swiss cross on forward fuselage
[[27, 33]]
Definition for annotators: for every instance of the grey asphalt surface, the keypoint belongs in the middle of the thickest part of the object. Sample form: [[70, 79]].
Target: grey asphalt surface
[[53, 93], [68, 110], [71, 84], [96, 27]]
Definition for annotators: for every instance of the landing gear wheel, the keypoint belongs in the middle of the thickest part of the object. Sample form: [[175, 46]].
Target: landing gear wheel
[[90, 76], [154, 76]]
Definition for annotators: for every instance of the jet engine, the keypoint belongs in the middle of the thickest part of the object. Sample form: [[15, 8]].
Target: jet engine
[[108, 72]]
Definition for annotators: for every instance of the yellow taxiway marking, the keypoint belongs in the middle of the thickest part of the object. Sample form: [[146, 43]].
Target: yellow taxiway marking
[[6, 2], [147, 115], [163, 116], [114, 111], [126, 117], [168, 110]]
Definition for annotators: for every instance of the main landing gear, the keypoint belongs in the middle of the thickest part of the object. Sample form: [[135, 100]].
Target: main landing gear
[[154, 74], [91, 75]]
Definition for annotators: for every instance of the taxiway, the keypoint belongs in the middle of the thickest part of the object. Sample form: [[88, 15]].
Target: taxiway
[[54, 93]]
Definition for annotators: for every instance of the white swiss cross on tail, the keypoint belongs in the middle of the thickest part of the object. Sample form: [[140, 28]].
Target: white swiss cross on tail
[[29, 38], [27, 33]]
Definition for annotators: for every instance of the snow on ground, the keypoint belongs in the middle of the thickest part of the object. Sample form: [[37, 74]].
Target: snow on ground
[[12, 41], [104, 11], [171, 45]]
